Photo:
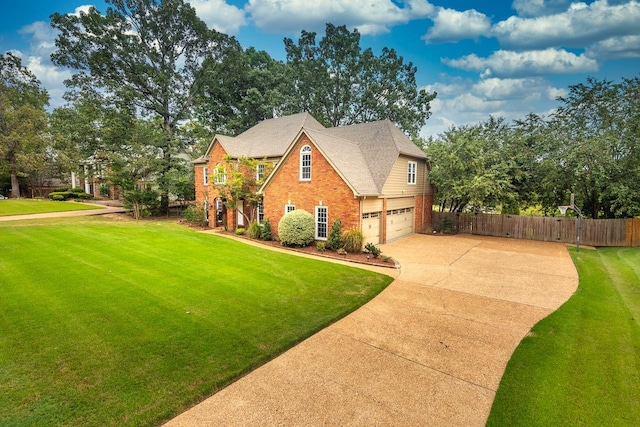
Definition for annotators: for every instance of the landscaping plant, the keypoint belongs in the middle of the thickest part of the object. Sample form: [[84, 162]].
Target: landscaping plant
[[335, 236], [296, 228], [353, 240]]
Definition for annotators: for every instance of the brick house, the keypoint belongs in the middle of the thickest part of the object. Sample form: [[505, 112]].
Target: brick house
[[369, 175]]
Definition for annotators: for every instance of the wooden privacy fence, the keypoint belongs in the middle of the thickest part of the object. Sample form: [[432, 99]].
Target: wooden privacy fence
[[595, 232]]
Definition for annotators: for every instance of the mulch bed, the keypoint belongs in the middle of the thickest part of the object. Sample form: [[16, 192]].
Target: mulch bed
[[359, 258]]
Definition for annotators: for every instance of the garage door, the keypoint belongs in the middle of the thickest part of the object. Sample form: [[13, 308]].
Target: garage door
[[399, 223], [371, 227]]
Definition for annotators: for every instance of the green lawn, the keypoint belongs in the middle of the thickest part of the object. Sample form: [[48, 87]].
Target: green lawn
[[107, 322], [581, 365], [34, 206]]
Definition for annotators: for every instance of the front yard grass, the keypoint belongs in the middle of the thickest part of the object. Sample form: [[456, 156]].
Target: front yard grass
[[107, 322], [581, 365], [35, 206]]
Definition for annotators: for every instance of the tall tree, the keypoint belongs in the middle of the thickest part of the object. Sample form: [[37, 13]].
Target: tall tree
[[471, 167], [340, 84], [149, 53], [23, 120], [248, 86], [597, 134]]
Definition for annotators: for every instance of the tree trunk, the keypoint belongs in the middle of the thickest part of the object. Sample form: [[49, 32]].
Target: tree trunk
[[15, 184]]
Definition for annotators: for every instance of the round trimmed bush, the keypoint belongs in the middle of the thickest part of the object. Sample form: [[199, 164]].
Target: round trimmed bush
[[296, 228]]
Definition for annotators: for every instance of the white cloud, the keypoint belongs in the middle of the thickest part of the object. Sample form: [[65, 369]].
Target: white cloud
[[464, 101], [219, 15], [43, 36], [615, 48], [451, 25], [580, 25], [369, 16], [539, 7], [504, 63]]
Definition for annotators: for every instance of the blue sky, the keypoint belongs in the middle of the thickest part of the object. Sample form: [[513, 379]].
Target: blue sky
[[484, 57]]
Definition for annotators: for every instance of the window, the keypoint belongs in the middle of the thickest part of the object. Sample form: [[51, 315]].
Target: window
[[289, 208], [205, 176], [321, 222], [260, 213], [305, 163], [260, 168], [411, 173], [219, 174]]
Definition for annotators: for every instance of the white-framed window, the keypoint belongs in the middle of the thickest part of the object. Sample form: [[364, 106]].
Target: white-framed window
[[289, 208], [411, 172], [260, 168], [205, 176], [305, 163], [260, 209], [219, 174], [322, 222]]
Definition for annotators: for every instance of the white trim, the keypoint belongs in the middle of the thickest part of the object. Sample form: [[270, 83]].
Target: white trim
[[325, 223], [260, 212], [260, 170], [412, 172], [289, 208], [205, 175], [305, 169], [219, 175]]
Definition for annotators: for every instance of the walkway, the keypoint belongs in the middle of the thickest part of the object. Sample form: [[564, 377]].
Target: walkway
[[429, 350], [104, 211]]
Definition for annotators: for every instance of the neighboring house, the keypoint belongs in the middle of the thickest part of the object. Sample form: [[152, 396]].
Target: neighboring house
[[370, 176]]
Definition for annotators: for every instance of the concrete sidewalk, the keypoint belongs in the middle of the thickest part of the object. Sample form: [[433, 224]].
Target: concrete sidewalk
[[103, 211], [429, 350]]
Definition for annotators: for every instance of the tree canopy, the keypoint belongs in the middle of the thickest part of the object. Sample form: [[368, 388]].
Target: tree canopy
[[146, 53], [339, 84], [23, 121], [590, 146]]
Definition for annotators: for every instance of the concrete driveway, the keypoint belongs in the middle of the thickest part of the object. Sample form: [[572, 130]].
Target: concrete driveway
[[429, 350]]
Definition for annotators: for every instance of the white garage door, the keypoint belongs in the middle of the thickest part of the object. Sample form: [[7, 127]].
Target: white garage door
[[399, 223], [371, 227]]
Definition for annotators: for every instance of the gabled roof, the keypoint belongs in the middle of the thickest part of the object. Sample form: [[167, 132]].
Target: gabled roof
[[362, 154], [269, 138], [380, 145]]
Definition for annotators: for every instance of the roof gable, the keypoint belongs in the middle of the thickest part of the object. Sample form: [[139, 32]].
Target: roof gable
[[379, 144], [269, 138]]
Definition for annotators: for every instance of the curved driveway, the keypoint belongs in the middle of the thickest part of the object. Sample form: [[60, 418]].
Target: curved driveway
[[429, 350]]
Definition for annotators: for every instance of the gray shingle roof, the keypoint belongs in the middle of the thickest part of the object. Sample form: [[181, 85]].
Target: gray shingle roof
[[367, 160], [363, 154], [269, 138]]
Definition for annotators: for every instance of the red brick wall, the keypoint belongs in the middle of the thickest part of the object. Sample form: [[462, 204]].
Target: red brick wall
[[423, 224], [209, 191], [325, 186]]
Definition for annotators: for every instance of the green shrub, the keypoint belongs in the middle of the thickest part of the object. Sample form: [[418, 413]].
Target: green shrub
[[266, 234], [353, 240], [240, 231], [373, 249], [341, 251], [447, 225], [74, 193], [81, 196], [254, 231], [142, 202], [296, 228], [321, 246], [386, 258], [195, 215], [335, 236]]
